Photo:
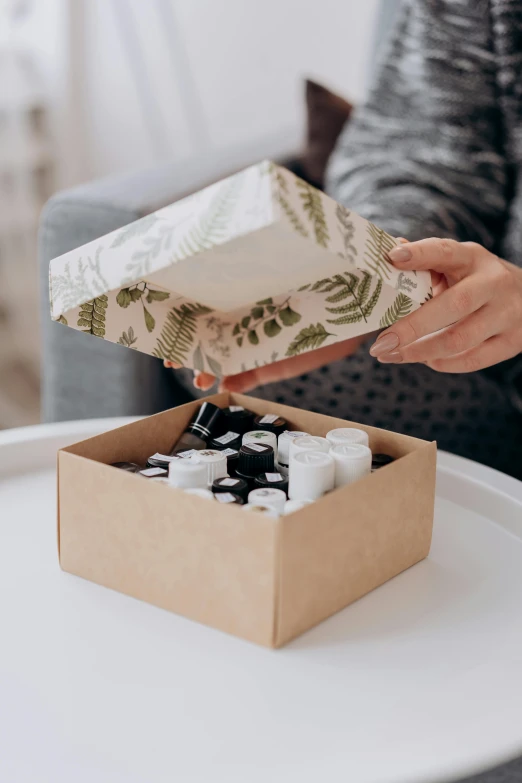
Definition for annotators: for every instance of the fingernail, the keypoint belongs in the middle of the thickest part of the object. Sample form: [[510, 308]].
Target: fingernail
[[384, 344], [390, 358], [399, 255]]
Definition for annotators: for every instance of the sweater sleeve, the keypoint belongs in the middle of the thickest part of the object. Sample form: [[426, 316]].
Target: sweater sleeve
[[424, 156]]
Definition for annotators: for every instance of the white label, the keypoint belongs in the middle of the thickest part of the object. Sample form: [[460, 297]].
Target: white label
[[274, 477], [256, 446], [268, 419], [225, 497], [235, 408], [189, 453], [229, 452], [294, 434], [165, 457], [153, 472], [227, 437], [229, 482]]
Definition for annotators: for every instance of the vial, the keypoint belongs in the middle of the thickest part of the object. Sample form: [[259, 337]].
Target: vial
[[229, 497], [273, 498], [312, 474], [188, 474], [204, 427], [352, 462], [308, 443], [254, 458], [261, 436], [272, 480], [231, 484], [230, 440], [295, 505], [271, 422], [237, 419], [283, 449], [232, 456], [347, 435], [161, 460], [215, 463]]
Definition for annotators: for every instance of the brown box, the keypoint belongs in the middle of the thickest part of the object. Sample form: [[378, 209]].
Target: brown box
[[266, 580]]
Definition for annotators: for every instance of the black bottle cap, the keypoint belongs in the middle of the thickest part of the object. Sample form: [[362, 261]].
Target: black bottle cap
[[130, 467], [271, 422], [207, 422], [160, 461], [229, 497], [273, 480], [255, 458], [380, 460], [231, 484], [237, 419], [229, 440]]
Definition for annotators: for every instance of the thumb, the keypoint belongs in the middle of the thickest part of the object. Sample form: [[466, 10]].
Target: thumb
[[441, 255]]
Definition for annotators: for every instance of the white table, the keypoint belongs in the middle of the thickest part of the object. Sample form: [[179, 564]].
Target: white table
[[419, 682]]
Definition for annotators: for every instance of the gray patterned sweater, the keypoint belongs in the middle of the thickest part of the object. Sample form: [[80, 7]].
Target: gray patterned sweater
[[437, 149]]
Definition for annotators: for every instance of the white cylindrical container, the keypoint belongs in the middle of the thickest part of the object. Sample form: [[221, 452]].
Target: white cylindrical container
[[200, 493], [188, 474], [257, 509], [295, 505], [312, 473], [352, 462], [215, 463], [346, 435], [263, 437], [283, 449], [265, 496], [308, 443]]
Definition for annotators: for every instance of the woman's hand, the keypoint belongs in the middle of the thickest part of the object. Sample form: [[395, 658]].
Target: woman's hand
[[283, 370], [475, 317]]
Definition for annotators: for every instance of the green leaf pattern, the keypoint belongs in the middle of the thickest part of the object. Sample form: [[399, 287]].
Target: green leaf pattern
[[401, 307]]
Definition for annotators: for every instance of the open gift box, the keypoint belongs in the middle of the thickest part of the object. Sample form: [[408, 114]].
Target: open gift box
[[253, 269], [261, 578]]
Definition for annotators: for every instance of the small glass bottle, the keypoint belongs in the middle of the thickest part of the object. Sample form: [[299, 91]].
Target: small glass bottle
[[199, 431]]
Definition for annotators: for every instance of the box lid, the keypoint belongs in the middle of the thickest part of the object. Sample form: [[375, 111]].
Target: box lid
[[246, 271]]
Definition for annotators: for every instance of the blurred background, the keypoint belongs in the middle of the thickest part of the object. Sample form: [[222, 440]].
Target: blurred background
[[93, 88]]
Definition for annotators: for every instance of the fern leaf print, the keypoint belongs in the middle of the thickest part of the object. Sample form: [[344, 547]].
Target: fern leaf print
[[212, 228], [313, 206], [401, 307], [308, 339], [293, 218], [378, 245], [91, 317], [179, 329], [347, 230]]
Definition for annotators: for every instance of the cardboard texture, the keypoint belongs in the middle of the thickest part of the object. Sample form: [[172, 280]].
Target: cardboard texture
[[253, 269], [263, 579]]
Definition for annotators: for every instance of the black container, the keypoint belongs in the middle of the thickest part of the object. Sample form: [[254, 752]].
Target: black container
[[232, 484], [229, 497], [237, 419], [200, 431], [380, 460], [254, 458], [271, 423], [130, 467], [264, 480], [159, 461], [229, 440]]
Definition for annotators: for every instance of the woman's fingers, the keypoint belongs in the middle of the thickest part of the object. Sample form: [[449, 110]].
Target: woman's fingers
[[496, 349], [441, 255], [204, 380], [449, 307], [455, 339]]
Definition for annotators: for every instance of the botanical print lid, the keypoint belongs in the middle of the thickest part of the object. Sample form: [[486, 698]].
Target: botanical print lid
[[253, 269]]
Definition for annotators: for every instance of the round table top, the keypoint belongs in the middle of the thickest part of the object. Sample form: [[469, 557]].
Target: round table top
[[418, 682]]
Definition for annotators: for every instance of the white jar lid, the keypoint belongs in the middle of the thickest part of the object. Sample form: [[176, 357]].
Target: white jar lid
[[295, 505], [352, 462], [312, 473], [347, 435], [215, 463], [188, 473], [265, 437], [283, 445], [266, 496], [308, 443]]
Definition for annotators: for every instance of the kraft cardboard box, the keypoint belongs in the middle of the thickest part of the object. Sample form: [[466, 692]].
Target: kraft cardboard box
[[249, 271], [263, 579]]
